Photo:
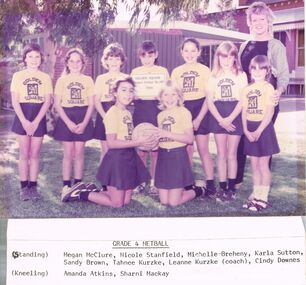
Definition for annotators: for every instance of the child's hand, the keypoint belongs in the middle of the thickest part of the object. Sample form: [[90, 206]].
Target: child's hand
[[257, 135], [196, 124], [26, 124], [249, 136], [149, 141], [71, 126], [32, 128], [226, 123], [79, 129]]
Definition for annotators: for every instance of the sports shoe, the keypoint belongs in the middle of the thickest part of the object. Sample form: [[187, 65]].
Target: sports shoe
[[73, 193], [152, 190], [34, 194], [25, 194], [140, 188], [226, 196], [91, 187]]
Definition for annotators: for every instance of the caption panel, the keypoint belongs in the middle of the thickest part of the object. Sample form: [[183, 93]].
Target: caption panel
[[163, 251]]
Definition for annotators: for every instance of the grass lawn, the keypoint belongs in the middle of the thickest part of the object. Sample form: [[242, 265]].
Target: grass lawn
[[287, 195]]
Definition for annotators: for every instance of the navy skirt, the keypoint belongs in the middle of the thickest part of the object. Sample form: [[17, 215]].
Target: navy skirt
[[76, 115], [99, 131], [145, 111], [195, 106], [225, 109], [173, 169], [123, 169], [30, 111], [267, 143]]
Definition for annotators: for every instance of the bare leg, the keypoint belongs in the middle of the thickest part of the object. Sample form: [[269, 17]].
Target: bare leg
[[79, 159], [67, 159], [34, 157], [24, 154]]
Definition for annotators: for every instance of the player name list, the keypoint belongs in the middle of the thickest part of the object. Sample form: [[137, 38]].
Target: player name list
[[155, 260]]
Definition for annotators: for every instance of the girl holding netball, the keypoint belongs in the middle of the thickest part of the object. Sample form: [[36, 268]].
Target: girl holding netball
[[191, 78], [224, 91], [31, 95], [112, 60], [121, 169], [149, 79], [260, 139], [74, 102], [173, 169]]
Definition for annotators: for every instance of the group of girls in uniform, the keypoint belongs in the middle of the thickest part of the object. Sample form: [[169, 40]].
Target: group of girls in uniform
[[184, 107]]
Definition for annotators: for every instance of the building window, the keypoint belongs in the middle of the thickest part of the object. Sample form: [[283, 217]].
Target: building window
[[281, 36], [300, 48]]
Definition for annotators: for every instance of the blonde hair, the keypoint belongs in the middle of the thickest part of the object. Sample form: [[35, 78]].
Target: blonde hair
[[170, 85], [260, 8], [226, 48], [69, 53], [262, 62], [114, 50]]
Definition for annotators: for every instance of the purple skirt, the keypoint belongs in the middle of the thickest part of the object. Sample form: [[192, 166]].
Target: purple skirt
[[76, 115], [194, 106], [225, 109], [123, 169], [267, 143], [145, 111], [99, 131], [173, 169], [30, 111]]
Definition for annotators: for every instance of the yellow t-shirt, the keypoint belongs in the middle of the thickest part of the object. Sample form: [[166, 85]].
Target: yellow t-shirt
[[175, 120], [31, 86], [119, 122], [256, 98], [104, 84], [192, 79], [227, 87], [149, 81], [74, 90]]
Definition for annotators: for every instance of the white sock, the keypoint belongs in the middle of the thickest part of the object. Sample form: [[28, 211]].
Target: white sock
[[264, 192], [256, 192]]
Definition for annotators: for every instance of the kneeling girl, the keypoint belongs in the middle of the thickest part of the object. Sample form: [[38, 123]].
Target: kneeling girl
[[173, 170]]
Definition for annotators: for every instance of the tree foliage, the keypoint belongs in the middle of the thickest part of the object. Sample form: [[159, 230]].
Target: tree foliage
[[69, 22]]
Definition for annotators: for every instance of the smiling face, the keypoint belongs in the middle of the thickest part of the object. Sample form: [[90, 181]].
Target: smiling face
[[148, 58], [190, 52], [32, 59], [75, 63], [258, 73], [113, 63], [226, 61], [169, 98], [259, 24], [124, 94]]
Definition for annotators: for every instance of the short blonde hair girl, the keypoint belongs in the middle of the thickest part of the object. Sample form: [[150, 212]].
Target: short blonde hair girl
[[170, 85], [114, 50], [226, 48]]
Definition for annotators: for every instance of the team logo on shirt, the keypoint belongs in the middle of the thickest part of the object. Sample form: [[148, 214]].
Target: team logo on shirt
[[75, 93], [32, 85], [166, 125], [75, 89], [226, 91], [253, 104], [110, 83], [189, 80], [129, 124]]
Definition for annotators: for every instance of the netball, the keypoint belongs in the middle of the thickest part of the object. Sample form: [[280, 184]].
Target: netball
[[144, 130]]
